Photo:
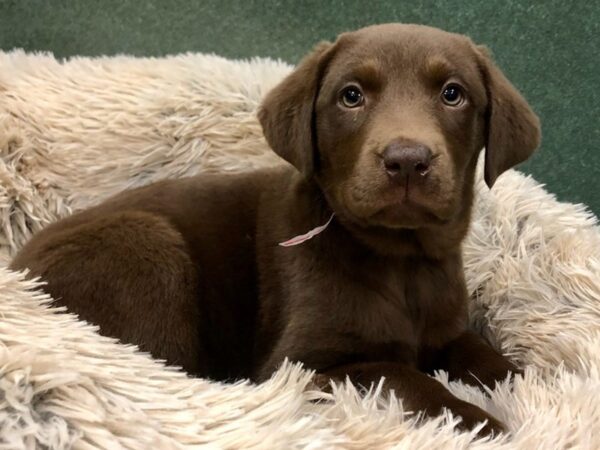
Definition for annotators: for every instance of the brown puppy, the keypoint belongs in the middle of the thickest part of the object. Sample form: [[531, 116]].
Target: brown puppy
[[382, 128]]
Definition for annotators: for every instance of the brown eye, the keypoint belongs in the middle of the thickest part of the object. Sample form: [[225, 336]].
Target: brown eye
[[352, 97], [452, 94]]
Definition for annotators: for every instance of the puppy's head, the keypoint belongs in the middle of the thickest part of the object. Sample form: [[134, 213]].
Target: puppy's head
[[389, 121]]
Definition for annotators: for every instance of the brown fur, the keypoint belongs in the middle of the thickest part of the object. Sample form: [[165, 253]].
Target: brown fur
[[191, 269]]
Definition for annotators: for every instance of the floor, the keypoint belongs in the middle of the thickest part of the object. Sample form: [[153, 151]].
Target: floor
[[550, 49]]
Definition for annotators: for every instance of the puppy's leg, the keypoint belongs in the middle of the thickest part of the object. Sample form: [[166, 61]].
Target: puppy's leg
[[472, 360], [128, 272], [418, 391]]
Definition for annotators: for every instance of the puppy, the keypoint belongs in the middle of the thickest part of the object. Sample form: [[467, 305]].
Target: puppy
[[382, 130]]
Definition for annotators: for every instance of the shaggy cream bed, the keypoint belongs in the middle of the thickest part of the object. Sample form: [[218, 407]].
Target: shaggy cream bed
[[76, 132]]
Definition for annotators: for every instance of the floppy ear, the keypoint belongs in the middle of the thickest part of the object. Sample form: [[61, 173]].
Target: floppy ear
[[287, 112], [513, 129]]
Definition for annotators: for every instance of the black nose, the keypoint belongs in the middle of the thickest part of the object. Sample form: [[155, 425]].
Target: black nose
[[404, 160]]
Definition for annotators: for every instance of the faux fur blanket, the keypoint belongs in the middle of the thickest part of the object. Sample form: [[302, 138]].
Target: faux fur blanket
[[73, 133]]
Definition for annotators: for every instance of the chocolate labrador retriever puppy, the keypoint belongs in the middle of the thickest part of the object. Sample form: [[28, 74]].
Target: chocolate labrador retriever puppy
[[382, 129]]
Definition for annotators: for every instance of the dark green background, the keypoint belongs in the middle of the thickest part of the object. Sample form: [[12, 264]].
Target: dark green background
[[549, 49]]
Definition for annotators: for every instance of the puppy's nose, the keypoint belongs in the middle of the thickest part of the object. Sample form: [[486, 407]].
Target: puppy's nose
[[402, 160]]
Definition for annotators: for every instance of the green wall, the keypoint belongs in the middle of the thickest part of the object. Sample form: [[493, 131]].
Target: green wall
[[549, 49]]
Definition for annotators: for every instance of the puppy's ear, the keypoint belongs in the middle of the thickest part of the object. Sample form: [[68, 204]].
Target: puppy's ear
[[513, 129], [287, 112]]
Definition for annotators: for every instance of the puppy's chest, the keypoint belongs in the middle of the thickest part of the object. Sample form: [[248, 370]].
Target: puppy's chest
[[412, 305]]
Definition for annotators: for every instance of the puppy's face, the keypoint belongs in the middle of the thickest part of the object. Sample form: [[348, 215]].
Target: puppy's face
[[394, 118], [400, 117]]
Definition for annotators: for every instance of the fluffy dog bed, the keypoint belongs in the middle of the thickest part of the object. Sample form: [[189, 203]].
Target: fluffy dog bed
[[72, 133]]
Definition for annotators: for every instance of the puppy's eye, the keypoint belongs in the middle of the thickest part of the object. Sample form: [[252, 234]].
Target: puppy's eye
[[452, 94], [352, 97]]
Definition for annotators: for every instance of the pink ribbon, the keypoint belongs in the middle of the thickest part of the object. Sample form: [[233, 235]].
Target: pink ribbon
[[305, 237]]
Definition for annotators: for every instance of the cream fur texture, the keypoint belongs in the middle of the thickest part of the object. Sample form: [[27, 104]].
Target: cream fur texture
[[73, 133]]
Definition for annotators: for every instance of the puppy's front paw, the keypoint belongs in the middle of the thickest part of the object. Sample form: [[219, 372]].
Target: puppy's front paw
[[472, 416], [495, 371]]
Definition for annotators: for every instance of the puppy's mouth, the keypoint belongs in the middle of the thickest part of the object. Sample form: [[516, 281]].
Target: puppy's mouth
[[406, 213], [400, 206]]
